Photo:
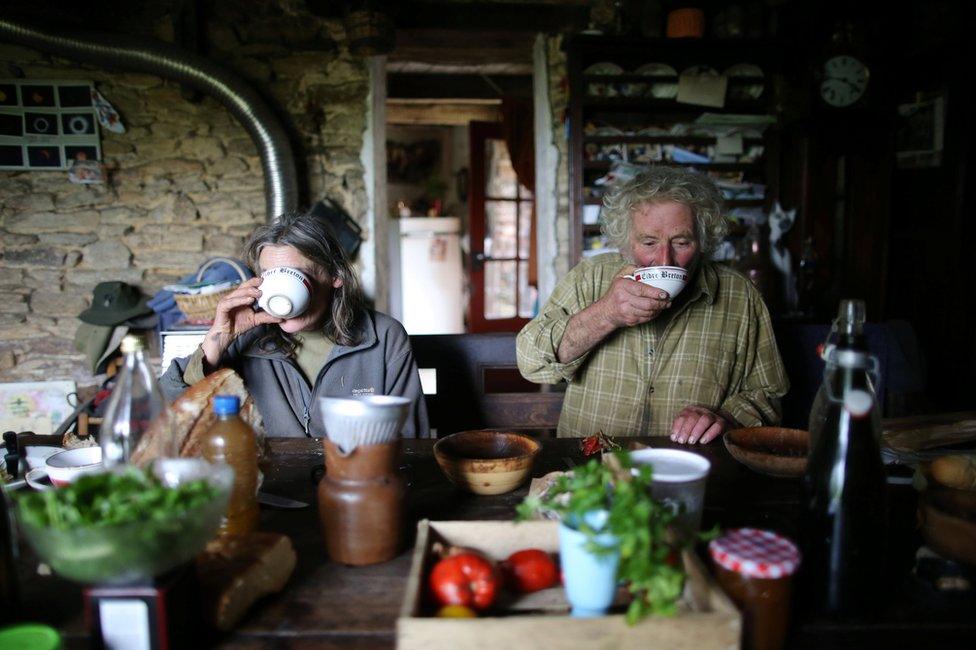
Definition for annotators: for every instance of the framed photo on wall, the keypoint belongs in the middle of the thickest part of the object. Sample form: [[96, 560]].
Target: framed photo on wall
[[411, 162]]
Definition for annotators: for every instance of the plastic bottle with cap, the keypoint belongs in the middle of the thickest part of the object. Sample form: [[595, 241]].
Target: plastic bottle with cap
[[232, 441], [845, 517], [30, 636], [135, 404]]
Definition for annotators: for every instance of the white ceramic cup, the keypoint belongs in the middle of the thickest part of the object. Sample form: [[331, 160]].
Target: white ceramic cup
[[285, 292], [669, 278], [678, 480]]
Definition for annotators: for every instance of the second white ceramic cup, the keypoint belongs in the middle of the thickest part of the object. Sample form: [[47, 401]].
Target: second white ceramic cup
[[285, 292]]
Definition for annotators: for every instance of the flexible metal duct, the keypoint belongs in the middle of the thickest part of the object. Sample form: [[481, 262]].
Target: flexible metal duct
[[128, 53]]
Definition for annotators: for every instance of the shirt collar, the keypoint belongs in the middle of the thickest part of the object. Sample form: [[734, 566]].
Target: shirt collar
[[705, 282]]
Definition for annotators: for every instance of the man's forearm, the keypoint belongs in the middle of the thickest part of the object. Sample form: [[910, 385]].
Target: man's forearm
[[583, 332]]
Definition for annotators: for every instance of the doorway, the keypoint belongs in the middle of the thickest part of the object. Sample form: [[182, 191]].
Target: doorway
[[447, 79], [502, 261]]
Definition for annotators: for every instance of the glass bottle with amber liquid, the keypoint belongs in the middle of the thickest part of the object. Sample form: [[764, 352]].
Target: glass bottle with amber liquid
[[845, 518], [232, 441]]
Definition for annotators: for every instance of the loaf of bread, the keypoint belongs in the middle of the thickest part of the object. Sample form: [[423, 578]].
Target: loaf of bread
[[237, 570], [190, 416], [956, 471]]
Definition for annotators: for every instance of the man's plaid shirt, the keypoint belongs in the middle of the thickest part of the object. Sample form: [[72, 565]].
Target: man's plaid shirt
[[714, 348]]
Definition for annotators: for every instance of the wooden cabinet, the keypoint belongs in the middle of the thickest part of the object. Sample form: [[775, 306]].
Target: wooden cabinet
[[623, 108]]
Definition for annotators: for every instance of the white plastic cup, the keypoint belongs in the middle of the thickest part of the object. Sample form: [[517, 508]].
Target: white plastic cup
[[285, 292], [678, 480], [669, 278]]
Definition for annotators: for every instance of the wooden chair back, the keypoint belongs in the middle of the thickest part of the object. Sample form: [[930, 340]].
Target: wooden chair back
[[478, 385]]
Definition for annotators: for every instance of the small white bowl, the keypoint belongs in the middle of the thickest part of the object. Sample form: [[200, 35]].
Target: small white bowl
[[65, 466], [669, 278], [38, 479], [37, 455]]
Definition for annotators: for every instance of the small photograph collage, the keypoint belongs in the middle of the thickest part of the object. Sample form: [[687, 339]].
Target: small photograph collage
[[47, 124]]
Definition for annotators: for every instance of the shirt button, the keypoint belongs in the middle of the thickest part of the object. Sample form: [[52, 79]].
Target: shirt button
[[650, 390], [650, 352]]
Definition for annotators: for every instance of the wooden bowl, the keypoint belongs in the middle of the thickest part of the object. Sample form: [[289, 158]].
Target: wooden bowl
[[947, 519], [775, 451], [486, 462]]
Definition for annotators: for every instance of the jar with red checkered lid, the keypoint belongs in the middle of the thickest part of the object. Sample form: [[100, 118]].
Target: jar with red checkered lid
[[755, 568]]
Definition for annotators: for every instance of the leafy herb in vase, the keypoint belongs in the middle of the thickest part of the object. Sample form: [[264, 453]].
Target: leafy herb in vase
[[650, 557]]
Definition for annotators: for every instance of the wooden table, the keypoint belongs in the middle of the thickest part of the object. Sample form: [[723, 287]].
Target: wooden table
[[327, 605]]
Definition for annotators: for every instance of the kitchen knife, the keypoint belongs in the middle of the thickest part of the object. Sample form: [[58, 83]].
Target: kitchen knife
[[276, 501]]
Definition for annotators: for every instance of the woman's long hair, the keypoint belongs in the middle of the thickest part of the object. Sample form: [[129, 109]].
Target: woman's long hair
[[310, 236]]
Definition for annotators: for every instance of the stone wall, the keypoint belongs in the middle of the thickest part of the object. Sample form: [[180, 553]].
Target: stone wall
[[184, 181], [559, 105]]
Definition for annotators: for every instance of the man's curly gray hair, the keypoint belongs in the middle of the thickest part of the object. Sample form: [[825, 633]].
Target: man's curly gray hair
[[659, 184]]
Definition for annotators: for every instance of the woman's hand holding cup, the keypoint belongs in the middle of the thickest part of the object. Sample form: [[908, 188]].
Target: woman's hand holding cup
[[235, 315]]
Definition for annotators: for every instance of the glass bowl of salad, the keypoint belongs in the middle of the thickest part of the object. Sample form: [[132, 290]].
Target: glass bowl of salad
[[127, 525]]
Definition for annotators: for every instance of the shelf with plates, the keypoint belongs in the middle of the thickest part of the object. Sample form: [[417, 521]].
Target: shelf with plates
[[625, 113], [661, 139], [605, 165]]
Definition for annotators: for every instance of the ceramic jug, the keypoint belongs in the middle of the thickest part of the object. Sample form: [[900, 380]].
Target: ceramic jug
[[362, 503]]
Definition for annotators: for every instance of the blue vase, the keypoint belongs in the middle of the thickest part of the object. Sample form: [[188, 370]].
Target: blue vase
[[590, 580]]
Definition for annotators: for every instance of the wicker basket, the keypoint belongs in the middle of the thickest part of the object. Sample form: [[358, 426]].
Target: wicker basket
[[202, 306]]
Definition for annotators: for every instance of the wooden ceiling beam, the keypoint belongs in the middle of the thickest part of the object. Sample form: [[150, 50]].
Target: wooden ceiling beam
[[440, 113], [439, 86], [521, 15], [527, 16], [447, 46]]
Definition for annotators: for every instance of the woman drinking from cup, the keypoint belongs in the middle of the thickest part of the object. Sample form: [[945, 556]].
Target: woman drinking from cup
[[301, 331]]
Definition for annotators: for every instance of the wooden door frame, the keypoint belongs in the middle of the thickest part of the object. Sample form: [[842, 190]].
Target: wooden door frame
[[479, 133]]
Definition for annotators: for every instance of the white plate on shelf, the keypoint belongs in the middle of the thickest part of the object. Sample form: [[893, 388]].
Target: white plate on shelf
[[654, 131], [604, 68], [660, 89], [608, 131], [603, 88], [700, 71], [745, 91]]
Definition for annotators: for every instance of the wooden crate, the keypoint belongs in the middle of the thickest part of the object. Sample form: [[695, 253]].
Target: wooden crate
[[706, 618]]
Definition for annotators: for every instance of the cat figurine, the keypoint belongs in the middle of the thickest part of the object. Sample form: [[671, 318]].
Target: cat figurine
[[780, 222]]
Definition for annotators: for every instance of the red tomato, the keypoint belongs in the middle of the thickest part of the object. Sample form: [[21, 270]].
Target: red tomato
[[464, 579], [590, 445], [530, 570]]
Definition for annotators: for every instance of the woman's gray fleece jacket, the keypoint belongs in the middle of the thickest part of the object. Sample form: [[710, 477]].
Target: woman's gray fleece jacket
[[381, 364]]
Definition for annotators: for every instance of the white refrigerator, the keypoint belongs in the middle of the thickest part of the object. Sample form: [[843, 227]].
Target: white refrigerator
[[431, 275]]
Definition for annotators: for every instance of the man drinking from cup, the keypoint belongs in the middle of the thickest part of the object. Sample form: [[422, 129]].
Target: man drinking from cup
[[688, 360]]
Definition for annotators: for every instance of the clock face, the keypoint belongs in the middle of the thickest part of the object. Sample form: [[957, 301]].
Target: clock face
[[845, 81]]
